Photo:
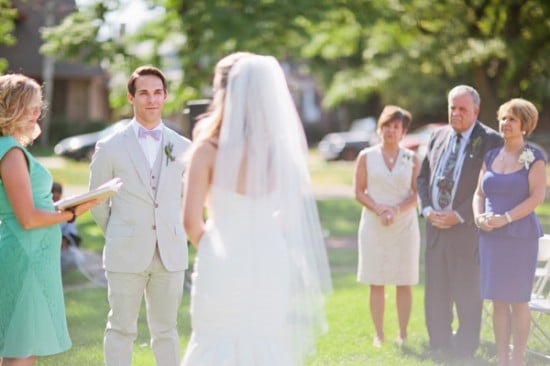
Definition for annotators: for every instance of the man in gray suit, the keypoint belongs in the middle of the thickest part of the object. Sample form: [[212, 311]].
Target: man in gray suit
[[446, 185], [145, 246]]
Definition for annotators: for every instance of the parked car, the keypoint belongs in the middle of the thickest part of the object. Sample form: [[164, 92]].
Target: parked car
[[347, 145], [417, 140], [81, 147]]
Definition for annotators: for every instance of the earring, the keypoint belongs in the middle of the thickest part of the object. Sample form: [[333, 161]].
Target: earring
[[524, 132]]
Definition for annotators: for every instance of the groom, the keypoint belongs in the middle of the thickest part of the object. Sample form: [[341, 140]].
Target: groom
[[145, 246]]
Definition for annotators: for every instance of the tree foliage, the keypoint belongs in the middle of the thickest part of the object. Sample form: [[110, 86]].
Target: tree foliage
[[406, 52], [215, 28], [411, 52], [7, 18]]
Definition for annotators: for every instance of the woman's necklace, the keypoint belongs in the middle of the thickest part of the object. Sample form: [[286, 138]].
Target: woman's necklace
[[391, 158], [505, 155]]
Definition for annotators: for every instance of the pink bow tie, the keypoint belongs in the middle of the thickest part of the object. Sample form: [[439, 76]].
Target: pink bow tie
[[142, 133]]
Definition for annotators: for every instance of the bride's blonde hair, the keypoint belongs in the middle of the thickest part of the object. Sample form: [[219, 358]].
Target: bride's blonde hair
[[210, 125]]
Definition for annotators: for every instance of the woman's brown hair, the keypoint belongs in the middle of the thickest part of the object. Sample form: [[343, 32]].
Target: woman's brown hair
[[392, 113]]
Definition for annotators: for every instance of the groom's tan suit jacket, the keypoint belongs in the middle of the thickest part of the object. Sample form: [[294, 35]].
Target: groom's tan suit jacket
[[140, 217]]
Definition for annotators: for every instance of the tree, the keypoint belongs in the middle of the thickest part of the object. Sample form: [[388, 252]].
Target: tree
[[76, 37], [406, 52], [79, 37], [51, 11], [215, 28], [414, 51], [7, 18]]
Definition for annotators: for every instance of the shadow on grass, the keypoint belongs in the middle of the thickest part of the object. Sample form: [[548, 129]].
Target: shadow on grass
[[481, 358]]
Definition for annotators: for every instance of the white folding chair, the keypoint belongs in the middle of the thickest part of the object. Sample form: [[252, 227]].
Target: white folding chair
[[540, 326], [542, 273], [540, 303]]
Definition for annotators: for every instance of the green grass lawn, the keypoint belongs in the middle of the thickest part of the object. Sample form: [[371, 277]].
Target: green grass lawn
[[349, 339], [328, 174]]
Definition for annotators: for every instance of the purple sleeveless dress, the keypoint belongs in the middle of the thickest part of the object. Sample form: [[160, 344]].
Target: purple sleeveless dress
[[508, 255]]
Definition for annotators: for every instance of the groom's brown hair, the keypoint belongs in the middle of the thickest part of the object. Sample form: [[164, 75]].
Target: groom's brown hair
[[141, 71]]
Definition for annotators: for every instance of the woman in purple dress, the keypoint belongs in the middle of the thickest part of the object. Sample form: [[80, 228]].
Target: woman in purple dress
[[512, 184]]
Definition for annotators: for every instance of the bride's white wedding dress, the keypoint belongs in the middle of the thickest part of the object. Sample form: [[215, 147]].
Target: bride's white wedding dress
[[240, 292]]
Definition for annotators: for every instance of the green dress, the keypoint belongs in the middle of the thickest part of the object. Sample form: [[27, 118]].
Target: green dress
[[32, 308]]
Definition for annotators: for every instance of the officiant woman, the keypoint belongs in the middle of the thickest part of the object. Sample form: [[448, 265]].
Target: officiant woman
[[32, 310]]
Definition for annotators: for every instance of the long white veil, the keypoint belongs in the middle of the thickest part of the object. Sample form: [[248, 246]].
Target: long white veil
[[262, 150]]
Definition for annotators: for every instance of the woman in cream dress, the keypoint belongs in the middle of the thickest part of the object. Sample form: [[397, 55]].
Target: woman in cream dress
[[389, 238]]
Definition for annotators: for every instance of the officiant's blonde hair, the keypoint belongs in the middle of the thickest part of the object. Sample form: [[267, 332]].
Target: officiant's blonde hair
[[210, 124], [17, 93]]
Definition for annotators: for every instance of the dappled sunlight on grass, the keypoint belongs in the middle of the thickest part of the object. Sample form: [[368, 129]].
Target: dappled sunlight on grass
[[92, 236], [339, 216], [349, 340], [329, 173]]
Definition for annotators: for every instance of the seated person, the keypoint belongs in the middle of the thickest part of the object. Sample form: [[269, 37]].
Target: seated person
[[70, 240]]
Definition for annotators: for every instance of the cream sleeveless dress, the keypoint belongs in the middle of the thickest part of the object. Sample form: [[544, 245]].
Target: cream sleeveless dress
[[388, 255]]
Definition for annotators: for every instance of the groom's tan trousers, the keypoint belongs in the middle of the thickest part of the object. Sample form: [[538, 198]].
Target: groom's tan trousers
[[163, 292]]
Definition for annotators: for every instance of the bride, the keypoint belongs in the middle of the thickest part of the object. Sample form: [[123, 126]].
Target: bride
[[261, 272]]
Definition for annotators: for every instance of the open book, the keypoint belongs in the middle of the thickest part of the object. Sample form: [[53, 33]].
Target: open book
[[105, 190]]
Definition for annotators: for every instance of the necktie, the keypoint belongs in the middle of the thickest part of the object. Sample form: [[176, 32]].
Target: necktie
[[446, 182], [142, 133]]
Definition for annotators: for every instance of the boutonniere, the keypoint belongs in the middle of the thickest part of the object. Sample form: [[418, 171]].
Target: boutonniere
[[407, 158], [476, 145], [526, 157], [168, 149]]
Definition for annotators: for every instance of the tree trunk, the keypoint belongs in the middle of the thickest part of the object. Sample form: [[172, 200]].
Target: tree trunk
[[48, 69], [489, 99]]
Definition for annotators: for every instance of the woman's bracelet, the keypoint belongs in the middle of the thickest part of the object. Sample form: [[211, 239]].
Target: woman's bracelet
[[508, 217], [71, 210], [478, 219]]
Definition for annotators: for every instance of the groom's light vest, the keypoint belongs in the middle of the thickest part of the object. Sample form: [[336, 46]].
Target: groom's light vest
[[154, 176]]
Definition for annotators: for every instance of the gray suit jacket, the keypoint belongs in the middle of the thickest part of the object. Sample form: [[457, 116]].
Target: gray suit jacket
[[134, 220]]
